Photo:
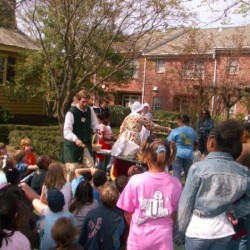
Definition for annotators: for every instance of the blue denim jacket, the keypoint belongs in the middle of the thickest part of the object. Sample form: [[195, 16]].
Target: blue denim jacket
[[211, 187]]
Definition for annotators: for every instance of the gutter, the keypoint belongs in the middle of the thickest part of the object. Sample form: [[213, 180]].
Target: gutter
[[144, 79]]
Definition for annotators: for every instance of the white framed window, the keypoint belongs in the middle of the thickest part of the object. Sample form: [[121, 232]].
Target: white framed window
[[157, 104], [160, 66], [7, 73], [193, 69], [233, 66], [135, 70], [128, 100]]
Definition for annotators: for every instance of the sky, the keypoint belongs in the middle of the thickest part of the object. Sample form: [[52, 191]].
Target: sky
[[208, 14]]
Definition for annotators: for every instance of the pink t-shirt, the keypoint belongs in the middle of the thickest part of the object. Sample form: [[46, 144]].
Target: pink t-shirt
[[152, 198]]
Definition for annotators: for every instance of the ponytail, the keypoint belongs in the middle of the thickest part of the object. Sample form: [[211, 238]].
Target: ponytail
[[159, 152]]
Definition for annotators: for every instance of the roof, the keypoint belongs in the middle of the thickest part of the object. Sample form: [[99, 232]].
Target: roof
[[15, 38], [202, 41]]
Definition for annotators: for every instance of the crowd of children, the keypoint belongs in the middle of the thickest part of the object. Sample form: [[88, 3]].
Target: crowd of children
[[142, 210]]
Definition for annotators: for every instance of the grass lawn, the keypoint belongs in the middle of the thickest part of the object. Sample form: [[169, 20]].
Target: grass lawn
[[179, 248]]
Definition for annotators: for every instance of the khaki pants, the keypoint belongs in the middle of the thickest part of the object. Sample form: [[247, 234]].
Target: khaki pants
[[88, 162]]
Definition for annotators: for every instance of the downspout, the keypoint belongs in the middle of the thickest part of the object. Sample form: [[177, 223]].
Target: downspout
[[214, 79], [144, 79]]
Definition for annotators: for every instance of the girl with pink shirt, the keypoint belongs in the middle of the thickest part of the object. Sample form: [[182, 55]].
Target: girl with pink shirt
[[150, 199]]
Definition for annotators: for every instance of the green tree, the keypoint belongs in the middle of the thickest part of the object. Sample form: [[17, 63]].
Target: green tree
[[86, 43]]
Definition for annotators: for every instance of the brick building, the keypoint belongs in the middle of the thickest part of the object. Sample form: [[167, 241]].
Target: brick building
[[191, 69]]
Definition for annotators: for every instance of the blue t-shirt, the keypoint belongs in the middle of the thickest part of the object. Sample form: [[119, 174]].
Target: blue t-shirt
[[184, 137], [46, 240], [75, 183], [21, 167]]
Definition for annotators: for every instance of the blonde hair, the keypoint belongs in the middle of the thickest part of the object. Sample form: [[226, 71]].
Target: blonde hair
[[63, 233], [158, 152], [109, 195], [55, 176], [25, 142]]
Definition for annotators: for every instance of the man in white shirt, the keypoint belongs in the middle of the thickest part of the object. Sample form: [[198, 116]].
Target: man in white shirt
[[80, 123]]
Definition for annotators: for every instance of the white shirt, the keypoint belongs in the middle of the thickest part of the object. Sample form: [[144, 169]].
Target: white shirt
[[69, 121], [209, 228]]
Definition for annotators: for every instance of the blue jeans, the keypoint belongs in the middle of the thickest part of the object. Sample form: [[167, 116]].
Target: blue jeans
[[180, 164], [207, 244]]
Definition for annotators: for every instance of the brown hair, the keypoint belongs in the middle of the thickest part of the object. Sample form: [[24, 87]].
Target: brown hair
[[55, 176], [25, 142], [109, 195], [83, 94], [10, 162], [19, 154], [158, 152], [64, 232]]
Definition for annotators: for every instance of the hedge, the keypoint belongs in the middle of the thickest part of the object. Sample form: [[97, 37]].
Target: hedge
[[43, 142], [118, 114], [6, 129], [48, 139]]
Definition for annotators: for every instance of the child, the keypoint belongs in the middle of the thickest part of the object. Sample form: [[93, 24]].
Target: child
[[196, 152], [121, 182], [150, 199], [26, 145], [56, 203], [103, 225], [55, 179], [83, 202], [3, 149], [106, 138], [22, 166], [64, 233], [211, 187], [10, 236], [43, 163]]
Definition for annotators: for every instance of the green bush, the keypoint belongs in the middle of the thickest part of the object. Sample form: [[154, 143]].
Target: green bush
[[165, 118], [5, 116], [6, 129], [44, 142], [118, 114]]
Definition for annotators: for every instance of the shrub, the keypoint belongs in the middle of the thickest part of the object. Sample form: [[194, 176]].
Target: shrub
[[6, 129], [5, 116], [118, 114], [44, 142], [165, 118]]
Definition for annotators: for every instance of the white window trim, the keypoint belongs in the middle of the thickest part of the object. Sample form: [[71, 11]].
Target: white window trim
[[160, 66], [191, 67], [233, 69]]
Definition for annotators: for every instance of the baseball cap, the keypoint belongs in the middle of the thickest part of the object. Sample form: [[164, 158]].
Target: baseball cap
[[55, 200]]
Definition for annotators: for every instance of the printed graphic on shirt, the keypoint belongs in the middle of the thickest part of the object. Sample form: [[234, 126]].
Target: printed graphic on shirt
[[83, 119], [185, 139], [221, 187], [93, 228], [152, 208]]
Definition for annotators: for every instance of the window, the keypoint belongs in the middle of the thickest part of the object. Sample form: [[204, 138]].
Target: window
[[7, 73], [183, 103], [160, 66], [233, 66], [157, 104], [2, 70], [193, 70], [128, 100], [135, 70]]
